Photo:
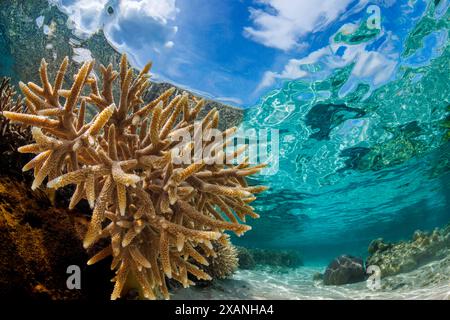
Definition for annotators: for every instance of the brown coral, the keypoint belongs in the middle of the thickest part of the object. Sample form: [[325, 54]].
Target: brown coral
[[158, 213]]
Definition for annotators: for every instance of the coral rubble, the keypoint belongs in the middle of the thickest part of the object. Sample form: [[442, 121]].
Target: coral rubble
[[158, 213]]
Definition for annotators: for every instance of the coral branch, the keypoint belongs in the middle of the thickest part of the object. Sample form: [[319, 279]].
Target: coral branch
[[161, 216]]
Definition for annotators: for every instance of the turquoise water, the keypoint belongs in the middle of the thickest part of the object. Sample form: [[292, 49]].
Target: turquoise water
[[363, 149], [359, 159]]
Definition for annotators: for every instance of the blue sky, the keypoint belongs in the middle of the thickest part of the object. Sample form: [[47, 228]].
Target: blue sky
[[235, 50]]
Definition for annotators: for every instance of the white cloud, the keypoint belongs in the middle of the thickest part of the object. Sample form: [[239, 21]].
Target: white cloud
[[372, 64], [293, 69], [375, 67], [85, 15], [169, 44], [159, 10], [282, 23], [132, 26]]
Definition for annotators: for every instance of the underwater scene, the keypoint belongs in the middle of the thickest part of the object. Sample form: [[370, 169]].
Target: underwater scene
[[224, 150]]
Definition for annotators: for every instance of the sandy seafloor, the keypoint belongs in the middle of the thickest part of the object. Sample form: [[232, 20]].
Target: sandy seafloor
[[431, 281]]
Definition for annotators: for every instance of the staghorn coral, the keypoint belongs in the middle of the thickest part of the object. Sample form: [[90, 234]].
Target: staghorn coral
[[157, 213], [9, 102], [12, 135]]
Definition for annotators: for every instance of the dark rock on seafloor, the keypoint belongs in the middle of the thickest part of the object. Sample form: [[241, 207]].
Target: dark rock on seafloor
[[344, 269], [23, 39]]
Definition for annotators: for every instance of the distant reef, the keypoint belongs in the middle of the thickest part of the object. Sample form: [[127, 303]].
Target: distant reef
[[252, 258], [32, 30], [425, 260], [406, 256]]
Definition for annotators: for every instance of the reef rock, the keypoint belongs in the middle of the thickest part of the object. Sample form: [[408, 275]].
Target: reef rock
[[378, 245], [344, 269], [406, 256], [433, 274], [38, 243]]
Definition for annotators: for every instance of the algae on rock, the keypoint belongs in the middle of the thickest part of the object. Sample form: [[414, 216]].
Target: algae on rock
[[38, 243], [406, 256]]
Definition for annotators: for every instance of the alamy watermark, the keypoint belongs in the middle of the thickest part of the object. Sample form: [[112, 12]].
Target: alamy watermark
[[373, 282], [74, 280], [374, 20]]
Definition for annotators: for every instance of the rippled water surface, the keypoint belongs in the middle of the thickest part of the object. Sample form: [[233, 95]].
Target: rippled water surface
[[363, 152], [363, 116]]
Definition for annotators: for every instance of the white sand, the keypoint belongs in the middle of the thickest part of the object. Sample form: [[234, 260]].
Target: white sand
[[298, 284]]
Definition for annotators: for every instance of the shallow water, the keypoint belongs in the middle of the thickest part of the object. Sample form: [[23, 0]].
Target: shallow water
[[360, 157], [295, 284], [363, 150]]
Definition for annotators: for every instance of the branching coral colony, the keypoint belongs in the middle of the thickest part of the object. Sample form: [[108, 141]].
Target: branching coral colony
[[158, 215], [9, 102]]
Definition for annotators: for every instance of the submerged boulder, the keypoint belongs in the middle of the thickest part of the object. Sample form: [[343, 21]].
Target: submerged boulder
[[344, 269]]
